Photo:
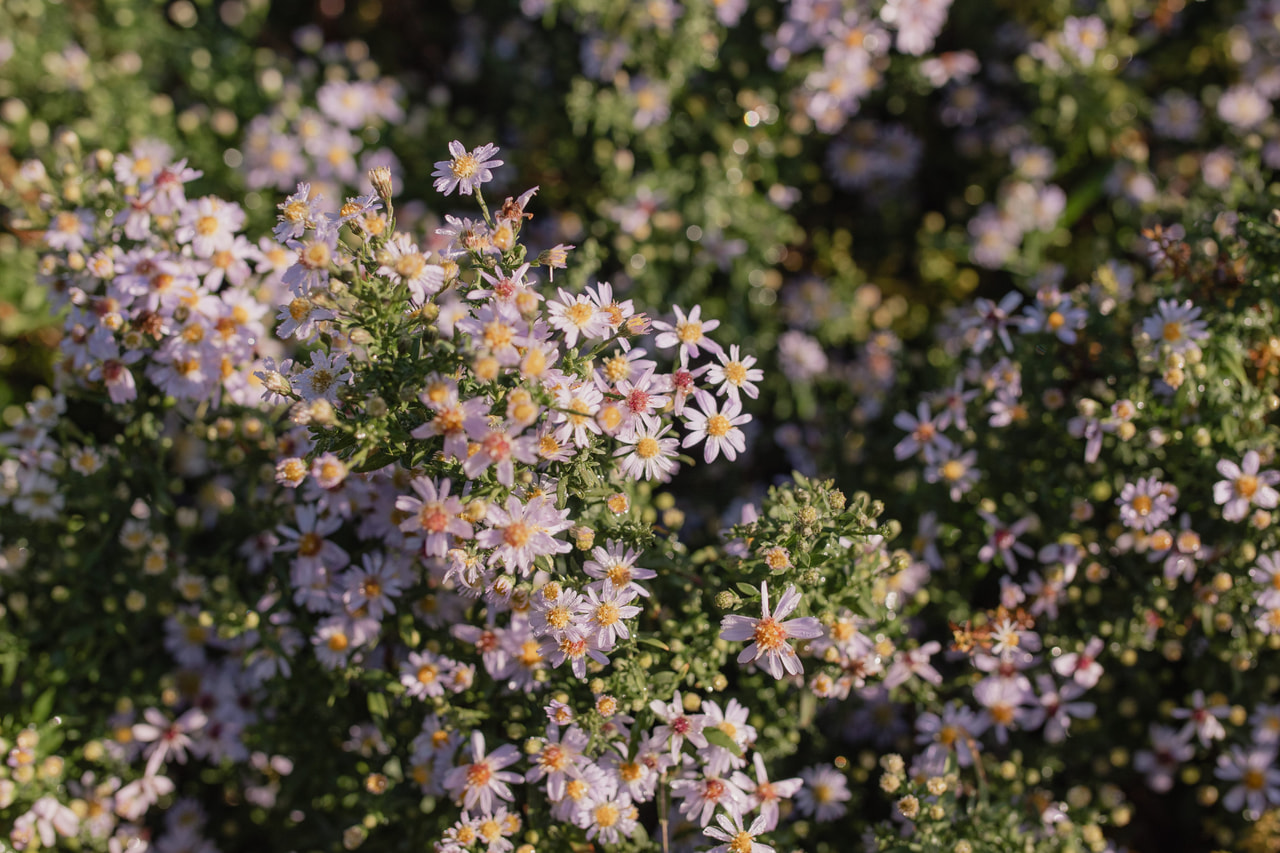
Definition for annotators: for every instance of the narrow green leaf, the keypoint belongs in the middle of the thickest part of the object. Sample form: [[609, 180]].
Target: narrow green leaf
[[716, 737]]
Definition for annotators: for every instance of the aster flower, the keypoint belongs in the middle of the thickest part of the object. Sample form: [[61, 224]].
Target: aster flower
[[477, 784], [924, 434], [522, 532], [558, 759], [769, 635], [1176, 325], [765, 795], [957, 472], [1245, 486], [615, 566], [1146, 503], [737, 838], [718, 426], [649, 456], [735, 375], [689, 333], [824, 793], [403, 263], [1257, 778], [435, 515], [701, 796], [1203, 720], [677, 724], [467, 170]]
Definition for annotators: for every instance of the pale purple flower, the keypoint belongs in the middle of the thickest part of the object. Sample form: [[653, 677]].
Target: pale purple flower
[[765, 795], [1175, 324], [824, 794], [924, 434], [1257, 776], [467, 170], [478, 784], [1146, 503], [1245, 486], [1003, 542], [1169, 750], [737, 838], [769, 634], [718, 426], [1203, 720], [689, 333]]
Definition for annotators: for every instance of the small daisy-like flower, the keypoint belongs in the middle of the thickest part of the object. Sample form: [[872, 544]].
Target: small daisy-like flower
[[1176, 325], [1257, 777], [1245, 486], [734, 374], [737, 838], [403, 263], [957, 472], [718, 427], [467, 170], [329, 471], [578, 315], [824, 793], [687, 332], [298, 212], [322, 379], [769, 635], [423, 675], [483, 780], [649, 456], [1146, 503]]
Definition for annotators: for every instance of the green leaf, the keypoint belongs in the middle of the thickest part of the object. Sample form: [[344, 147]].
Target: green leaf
[[650, 641], [378, 705], [43, 707], [716, 737], [748, 589]]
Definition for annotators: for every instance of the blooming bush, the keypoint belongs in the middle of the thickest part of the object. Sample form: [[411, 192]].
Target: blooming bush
[[423, 494]]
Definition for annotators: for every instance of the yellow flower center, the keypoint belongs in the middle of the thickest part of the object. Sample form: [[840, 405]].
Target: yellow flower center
[[647, 448], [741, 843], [433, 518], [718, 426], [338, 642], [770, 635], [1172, 331], [427, 673], [310, 544], [1054, 321], [559, 617], [1142, 505], [735, 372], [616, 369], [607, 614], [580, 313], [619, 575], [953, 470], [316, 256], [517, 534], [410, 266], [607, 815], [465, 166], [554, 757], [1246, 485], [478, 775], [689, 333], [207, 226]]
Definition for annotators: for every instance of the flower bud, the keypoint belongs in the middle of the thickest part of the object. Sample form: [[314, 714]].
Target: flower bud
[[380, 179]]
